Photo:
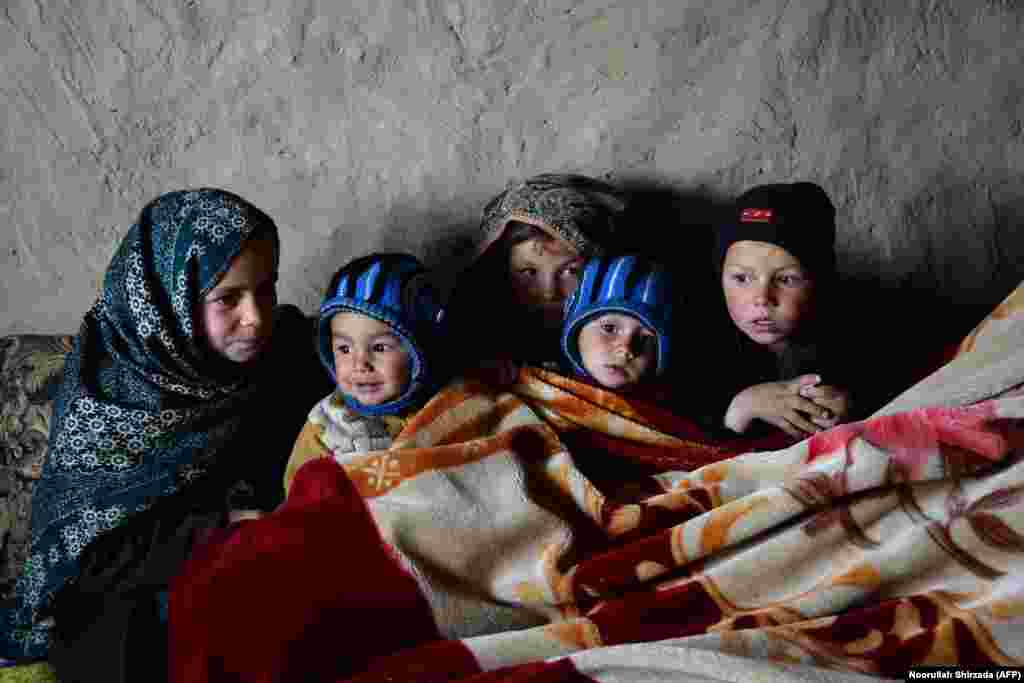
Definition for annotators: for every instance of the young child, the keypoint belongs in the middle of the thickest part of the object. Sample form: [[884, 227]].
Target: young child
[[377, 336], [617, 325], [617, 335], [534, 238], [777, 269]]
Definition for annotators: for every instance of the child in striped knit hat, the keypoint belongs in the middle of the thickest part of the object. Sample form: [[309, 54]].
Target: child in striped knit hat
[[378, 336], [617, 327]]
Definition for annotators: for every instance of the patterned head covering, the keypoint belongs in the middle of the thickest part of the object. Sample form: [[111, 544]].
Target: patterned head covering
[[626, 284], [145, 403], [579, 210]]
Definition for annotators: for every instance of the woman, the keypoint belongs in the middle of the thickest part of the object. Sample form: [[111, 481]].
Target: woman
[[168, 419]]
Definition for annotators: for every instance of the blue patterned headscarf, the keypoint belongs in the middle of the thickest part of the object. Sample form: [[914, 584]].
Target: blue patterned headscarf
[[145, 403]]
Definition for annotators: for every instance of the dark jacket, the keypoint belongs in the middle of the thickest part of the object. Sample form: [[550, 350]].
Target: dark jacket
[[724, 362], [108, 626]]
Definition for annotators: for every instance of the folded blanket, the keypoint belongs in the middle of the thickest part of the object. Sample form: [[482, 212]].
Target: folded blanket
[[478, 543]]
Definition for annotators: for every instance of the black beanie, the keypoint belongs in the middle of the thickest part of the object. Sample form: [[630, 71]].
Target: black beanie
[[798, 217]]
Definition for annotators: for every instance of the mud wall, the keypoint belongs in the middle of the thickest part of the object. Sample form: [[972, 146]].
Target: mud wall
[[388, 123]]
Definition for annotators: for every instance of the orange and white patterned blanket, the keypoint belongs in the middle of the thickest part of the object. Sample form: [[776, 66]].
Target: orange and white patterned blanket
[[506, 535]]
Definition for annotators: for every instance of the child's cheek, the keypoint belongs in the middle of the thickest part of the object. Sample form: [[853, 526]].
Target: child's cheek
[[532, 298], [736, 306], [803, 308], [522, 292]]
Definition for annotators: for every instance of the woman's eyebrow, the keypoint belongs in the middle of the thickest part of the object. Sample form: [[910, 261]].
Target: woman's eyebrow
[[241, 287], [217, 292]]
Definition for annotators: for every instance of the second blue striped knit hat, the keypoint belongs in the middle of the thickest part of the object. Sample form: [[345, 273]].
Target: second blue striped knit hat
[[625, 284]]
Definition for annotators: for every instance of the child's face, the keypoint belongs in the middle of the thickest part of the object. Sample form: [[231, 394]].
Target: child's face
[[617, 350], [767, 291], [371, 362], [237, 316], [543, 273]]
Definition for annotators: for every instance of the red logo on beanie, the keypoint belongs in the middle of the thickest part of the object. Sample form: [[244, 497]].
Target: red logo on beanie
[[756, 216]]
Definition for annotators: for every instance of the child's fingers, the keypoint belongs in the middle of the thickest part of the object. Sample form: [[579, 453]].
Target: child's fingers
[[813, 391], [802, 422], [821, 391], [784, 426], [796, 427], [833, 406], [792, 421], [825, 423], [826, 403], [809, 407], [791, 430], [824, 395], [838, 403], [804, 382]]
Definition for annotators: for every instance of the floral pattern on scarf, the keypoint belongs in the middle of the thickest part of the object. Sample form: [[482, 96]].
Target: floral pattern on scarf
[[577, 209], [144, 404]]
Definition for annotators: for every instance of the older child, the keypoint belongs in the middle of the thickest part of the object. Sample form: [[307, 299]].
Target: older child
[[777, 268], [617, 323], [168, 417], [534, 239], [377, 335]]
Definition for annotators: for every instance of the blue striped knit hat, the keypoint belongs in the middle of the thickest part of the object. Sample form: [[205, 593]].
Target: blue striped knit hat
[[392, 288], [626, 284]]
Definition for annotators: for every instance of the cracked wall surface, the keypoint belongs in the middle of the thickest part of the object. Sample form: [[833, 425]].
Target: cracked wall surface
[[384, 124]]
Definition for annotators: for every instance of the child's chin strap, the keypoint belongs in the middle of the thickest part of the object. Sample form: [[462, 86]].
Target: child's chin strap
[[400, 405]]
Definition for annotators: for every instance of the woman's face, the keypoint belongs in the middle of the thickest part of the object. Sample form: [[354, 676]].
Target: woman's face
[[543, 273], [237, 315]]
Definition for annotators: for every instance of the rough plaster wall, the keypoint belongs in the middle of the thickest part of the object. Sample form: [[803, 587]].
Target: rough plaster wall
[[387, 123]]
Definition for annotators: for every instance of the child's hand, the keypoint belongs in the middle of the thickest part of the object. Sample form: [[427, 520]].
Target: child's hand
[[779, 404], [834, 400]]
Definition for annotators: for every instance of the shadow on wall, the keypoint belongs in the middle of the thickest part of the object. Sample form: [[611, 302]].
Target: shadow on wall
[[964, 241], [440, 235], [965, 250], [437, 237], [1008, 231], [447, 254], [674, 226]]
